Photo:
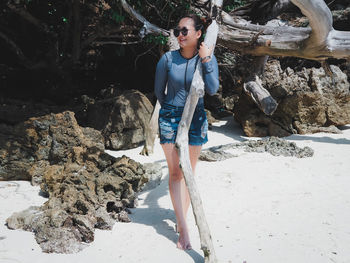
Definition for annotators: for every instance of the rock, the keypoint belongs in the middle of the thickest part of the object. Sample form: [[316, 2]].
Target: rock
[[278, 147], [272, 145], [121, 119], [14, 111], [211, 155], [308, 102], [86, 187]]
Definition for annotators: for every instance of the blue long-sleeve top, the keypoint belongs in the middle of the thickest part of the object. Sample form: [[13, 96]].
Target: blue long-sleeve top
[[176, 72]]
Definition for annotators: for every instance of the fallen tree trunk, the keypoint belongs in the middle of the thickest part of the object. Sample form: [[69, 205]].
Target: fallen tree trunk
[[317, 42]]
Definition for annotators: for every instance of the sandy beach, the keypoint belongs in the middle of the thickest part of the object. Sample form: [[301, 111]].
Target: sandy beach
[[260, 209]]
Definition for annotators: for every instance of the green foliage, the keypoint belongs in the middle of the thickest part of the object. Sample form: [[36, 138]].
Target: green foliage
[[161, 40], [233, 4], [117, 17]]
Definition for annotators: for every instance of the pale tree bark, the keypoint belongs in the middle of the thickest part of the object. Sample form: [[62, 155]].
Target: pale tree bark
[[317, 42], [196, 91]]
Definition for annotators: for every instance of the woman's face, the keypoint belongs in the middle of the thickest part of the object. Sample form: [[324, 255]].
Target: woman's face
[[191, 39]]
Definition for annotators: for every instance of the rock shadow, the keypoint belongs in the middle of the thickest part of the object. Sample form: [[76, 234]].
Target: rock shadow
[[323, 139], [230, 129]]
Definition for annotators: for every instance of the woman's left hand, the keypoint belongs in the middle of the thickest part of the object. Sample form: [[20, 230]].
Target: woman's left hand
[[204, 50]]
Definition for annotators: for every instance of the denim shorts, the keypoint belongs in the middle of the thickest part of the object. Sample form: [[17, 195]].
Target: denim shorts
[[169, 119]]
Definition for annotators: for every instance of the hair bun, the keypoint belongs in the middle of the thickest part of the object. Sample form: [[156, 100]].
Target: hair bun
[[206, 21]]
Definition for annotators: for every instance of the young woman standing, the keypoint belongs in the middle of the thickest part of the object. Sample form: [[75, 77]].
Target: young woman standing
[[175, 71]]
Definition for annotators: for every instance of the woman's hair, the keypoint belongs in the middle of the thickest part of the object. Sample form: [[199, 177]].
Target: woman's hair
[[199, 23]]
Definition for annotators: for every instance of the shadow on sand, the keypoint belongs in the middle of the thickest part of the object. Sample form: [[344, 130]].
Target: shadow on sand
[[323, 139], [231, 129], [157, 217]]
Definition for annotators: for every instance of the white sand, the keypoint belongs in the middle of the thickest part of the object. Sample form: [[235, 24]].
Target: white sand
[[260, 208]]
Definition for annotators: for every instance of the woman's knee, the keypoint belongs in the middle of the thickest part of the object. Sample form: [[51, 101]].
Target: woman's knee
[[176, 176]]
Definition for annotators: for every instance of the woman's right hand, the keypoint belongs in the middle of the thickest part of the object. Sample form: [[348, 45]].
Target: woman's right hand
[[205, 51]]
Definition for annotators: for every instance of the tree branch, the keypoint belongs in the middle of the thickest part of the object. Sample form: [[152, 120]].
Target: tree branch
[[148, 28], [320, 19], [309, 43]]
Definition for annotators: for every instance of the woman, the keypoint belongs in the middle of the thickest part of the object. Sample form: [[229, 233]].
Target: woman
[[175, 70]]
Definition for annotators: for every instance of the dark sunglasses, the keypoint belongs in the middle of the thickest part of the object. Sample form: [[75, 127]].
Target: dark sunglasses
[[183, 31]]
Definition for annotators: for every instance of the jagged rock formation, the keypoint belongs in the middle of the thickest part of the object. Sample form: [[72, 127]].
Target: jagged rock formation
[[87, 188], [309, 101], [272, 145]]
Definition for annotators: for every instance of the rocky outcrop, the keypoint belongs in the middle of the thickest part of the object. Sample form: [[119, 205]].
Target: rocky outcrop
[[272, 145], [309, 101], [121, 119], [86, 187]]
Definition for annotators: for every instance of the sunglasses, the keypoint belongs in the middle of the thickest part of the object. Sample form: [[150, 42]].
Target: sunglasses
[[183, 31]]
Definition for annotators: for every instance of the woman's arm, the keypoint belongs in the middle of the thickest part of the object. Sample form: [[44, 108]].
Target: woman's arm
[[161, 79], [211, 75]]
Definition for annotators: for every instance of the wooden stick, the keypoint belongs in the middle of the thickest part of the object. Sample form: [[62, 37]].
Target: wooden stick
[[196, 91]]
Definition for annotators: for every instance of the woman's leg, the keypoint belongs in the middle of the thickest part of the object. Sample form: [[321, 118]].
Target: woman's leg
[[194, 155], [177, 189]]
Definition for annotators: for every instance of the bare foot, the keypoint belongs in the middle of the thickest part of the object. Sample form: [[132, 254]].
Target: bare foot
[[183, 241]]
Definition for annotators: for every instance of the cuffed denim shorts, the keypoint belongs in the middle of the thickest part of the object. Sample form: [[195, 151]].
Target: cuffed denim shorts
[[169, 119]]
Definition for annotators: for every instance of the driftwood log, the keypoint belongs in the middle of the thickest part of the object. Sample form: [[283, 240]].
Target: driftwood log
[[317, 42], [197, 91]]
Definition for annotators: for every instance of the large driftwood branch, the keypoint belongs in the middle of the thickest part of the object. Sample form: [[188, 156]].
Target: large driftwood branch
[[319, 42], [196, 91]]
